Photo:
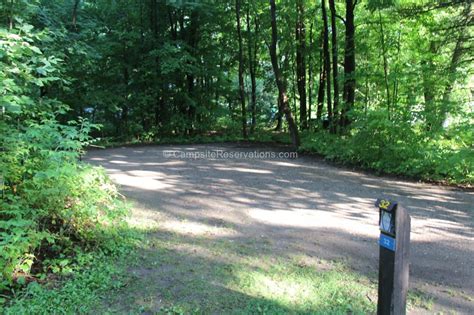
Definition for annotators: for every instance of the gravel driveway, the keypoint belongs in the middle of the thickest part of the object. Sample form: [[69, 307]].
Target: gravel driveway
[[303, 205]]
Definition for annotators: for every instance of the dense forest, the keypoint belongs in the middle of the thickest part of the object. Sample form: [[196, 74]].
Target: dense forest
[[385, 85]]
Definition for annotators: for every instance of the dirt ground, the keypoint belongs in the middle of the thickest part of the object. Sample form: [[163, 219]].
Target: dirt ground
[[302, 206]]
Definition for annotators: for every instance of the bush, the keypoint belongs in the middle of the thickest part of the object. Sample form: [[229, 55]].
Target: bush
[[52, 206], [397, 147]]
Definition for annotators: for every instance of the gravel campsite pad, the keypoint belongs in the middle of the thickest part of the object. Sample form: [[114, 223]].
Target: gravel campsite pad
[[240, 204]]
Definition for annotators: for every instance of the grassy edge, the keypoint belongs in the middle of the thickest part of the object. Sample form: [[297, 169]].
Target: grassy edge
[[79, 291], [89, 287]]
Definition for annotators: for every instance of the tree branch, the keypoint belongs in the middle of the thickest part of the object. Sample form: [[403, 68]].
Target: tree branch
[[340, 18]]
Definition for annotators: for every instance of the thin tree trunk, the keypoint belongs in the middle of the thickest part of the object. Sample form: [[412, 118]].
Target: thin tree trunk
[[327, 60], [301, 62], [10, 16], [294, 87], [349, 63], [241, 71], [335, 79], [322, 80], [159, 98], [192, 42], [457, 53], [310, 73], [428, 84], [385, 64], [395, 81], [367, 95], [279, 116], [252, 67], [74, 14], [279, 80]]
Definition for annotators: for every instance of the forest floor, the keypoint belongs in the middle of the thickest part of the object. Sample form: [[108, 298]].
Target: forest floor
[[271, 236]]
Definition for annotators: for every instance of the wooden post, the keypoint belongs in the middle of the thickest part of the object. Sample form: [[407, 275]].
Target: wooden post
[[394, 242]]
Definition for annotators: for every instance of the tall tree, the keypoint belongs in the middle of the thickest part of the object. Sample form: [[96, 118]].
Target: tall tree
[[327, 60], [310, 72], [252, 47], [349, 63], [301, 61], [192, 41], [335, 79], [322, 78], [280, 82], [241, 71]]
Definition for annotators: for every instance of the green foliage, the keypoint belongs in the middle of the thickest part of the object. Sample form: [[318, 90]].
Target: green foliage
[[398, 147], [94, 276], [52, 207]]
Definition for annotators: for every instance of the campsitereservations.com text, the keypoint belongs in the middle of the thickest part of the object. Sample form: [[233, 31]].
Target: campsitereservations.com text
[[222, 154]]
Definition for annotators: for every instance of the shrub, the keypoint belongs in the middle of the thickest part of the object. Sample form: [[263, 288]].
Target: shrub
[[52, 206], [397, 147]]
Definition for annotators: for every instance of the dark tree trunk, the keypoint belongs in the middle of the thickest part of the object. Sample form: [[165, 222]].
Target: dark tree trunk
[[322, 81], [281, 84], [310, 73], [279, 116], [154, 28], [241, 71], [252, 67], [74, 14], [335, 79], [327, 60], [349, 63], [192, 42], [301, 62]]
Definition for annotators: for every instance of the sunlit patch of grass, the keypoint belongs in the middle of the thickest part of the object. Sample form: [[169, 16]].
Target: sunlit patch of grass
[[304, 289]]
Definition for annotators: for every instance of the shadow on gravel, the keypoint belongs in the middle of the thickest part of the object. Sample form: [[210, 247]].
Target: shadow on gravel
[[286, 208]]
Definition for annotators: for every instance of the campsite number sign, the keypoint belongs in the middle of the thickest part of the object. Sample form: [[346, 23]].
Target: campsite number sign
[[394, 241]]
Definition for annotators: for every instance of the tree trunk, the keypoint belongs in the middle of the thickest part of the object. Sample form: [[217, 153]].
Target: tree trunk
[[192, 42], [241, 71], [349, 63], [335, 79], [301, 62], [74, 14], [322, 80], [327, 60], [10, 16], [279, 116], [428, 85], [294, 87], [279, 80], [467, 19], [252, 67], [457, 53], [310, 73], [385, 64]]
